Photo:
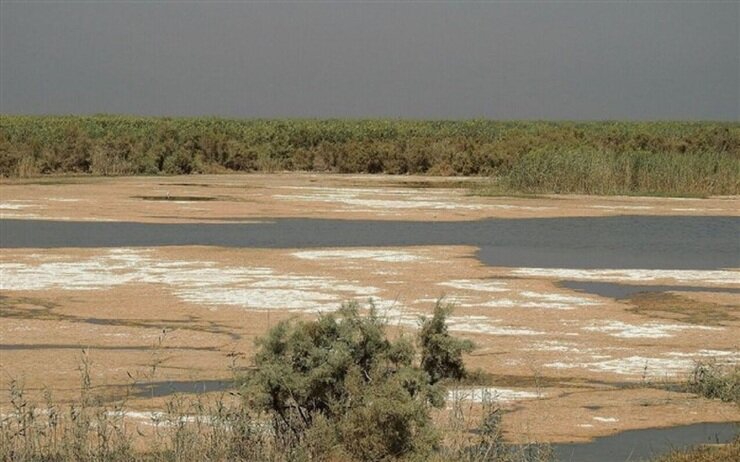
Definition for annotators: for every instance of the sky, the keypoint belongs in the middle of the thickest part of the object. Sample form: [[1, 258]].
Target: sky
[[582, 60]]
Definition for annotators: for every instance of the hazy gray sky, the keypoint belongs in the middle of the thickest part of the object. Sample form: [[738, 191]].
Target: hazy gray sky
[[454, 59]]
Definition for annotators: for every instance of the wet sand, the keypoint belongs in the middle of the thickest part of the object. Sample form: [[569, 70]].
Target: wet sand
[[255, 197]]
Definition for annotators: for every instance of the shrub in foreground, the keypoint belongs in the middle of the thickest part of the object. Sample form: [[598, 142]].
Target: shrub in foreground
[[372, 397], [336, 388]]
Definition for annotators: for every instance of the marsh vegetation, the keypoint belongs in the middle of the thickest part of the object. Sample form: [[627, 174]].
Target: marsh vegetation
[[671, 158]]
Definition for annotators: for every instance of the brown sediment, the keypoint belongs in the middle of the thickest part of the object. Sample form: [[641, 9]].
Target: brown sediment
[[580, 415], [686, 308], [238, 198], [584, 356]]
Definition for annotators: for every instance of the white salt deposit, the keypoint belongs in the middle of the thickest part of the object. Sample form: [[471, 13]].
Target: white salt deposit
[[622, 207], [558, 298], [477, 285], [509, 303], [732, 356], [17, 215], [157, 418], [530, 299], [484, 325], [490, 394], [605, 419], [14, 205], [454, 299], [390, 256], [554, 345], [633, 365], [467, 324], [636, 275], [399, 199], [648, 330], [12, 208], [200, 282]]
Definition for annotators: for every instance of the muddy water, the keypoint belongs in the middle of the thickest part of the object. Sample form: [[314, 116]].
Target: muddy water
[[595, 242], [637, 445], [623, 291], [170, 387]]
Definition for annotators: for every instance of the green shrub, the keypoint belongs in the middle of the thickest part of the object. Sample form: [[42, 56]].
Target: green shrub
[[441, 354], [343, 369]]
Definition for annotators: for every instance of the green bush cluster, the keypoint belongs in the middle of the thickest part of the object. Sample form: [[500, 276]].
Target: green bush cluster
[[341, 380], [588, 157]]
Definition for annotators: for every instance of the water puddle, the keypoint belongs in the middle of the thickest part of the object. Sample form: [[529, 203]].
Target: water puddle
[[636, 445], [674, 243], [166, 388]]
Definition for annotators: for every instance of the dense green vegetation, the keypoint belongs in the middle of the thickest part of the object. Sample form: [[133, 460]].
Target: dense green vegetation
[[336, 388], [681, 158]]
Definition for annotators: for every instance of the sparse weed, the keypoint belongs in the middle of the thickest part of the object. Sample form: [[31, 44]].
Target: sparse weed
[[716, 381], [706, 453]]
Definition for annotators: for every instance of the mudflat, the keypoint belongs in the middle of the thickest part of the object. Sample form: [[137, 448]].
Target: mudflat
[[239, 198], [567, 363]]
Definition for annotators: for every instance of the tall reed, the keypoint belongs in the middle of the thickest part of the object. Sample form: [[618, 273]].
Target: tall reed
[[693, 158]]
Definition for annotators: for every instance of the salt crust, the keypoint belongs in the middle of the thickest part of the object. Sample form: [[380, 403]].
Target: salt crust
[[490, 394], [389, 256], [635, 275], [649, 330], [200, 282]]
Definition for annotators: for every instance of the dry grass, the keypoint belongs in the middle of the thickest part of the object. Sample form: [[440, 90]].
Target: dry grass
[[707, 453], [716, 381]]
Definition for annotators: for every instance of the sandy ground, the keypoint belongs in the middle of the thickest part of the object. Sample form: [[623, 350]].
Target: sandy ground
[[568, 365], [225, 198]]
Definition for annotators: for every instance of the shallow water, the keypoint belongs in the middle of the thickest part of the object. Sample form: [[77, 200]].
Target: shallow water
[[594, 242], [623, 291], [169, 387], [636, 445]]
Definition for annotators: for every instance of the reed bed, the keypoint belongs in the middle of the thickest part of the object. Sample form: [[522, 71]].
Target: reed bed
[[671, 158]]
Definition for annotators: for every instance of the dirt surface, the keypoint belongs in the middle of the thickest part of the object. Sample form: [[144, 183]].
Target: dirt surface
[[228, 198], [568, 365]]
